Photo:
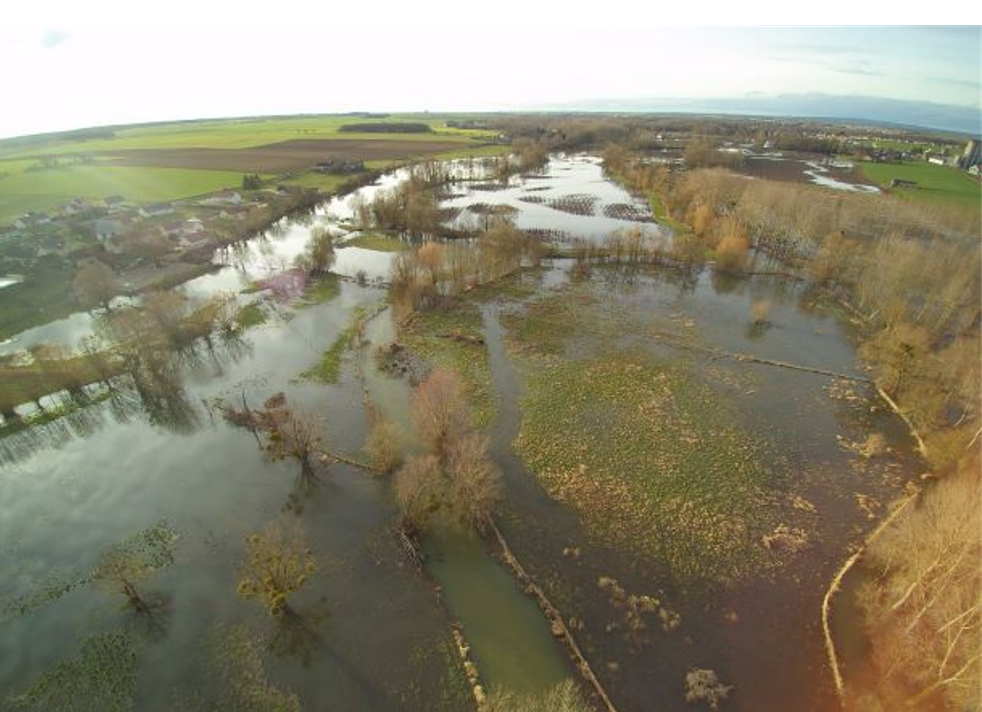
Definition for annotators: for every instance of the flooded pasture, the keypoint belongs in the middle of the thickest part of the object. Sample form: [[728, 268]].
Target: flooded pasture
[[376, 633]]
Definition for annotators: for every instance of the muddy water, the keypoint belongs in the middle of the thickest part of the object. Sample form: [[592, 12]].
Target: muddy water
[[85, 482], [378, 646], [761, 636], [511, 642]]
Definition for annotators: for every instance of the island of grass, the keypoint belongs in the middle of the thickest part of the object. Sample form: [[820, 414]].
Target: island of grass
[[452, 337], [376, 241], [649, 456]]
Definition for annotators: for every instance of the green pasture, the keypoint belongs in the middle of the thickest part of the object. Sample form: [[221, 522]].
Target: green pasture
[[938, 184]]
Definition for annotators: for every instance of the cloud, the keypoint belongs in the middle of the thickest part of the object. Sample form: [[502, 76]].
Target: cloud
[[53, 38], [858, 70]]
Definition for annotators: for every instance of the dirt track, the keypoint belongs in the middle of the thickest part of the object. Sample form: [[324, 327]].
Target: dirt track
[[276, 157]]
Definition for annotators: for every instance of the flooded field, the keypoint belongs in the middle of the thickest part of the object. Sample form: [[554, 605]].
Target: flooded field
[[570, 198], [829, 174], [758, 627], [751, 486]]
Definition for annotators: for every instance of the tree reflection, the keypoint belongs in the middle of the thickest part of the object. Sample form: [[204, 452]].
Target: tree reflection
[[298, 633], [135, 364]]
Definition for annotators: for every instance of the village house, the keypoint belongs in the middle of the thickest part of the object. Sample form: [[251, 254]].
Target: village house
[[78, 205], [32, 219], [156, 209], [106, 231], [226, 197], [185, 228], [114, 202]]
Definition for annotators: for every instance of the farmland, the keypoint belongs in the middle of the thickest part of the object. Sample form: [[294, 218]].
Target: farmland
[[49, 188], [172, 161], [935, 184], [224, 133]]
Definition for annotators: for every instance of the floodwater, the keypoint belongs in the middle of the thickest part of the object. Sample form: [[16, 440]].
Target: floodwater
[[541, 203], [819, 175], [378, 635], [762, 636]]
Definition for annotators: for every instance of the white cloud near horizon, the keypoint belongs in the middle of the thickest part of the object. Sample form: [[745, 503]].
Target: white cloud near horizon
[[97, 63]]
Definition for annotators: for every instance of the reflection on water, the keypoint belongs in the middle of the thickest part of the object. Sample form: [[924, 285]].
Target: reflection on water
[[571, 198], [143, 445], [276, 249]]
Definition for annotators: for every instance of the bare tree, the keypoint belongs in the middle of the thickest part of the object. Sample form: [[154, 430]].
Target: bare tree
[[289, 432], [319, 255], [384, 445], [128, 563], [417, 489], [475, 481], [95, 284], [277, 564], [439, 410], [924, 610]]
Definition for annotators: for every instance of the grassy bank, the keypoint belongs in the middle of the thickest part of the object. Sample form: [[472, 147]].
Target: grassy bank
[[935, 184], [430, 334]]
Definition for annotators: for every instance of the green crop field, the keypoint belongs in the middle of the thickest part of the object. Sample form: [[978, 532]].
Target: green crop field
[[941, 184], [235, 133], [49, 188], [141, 178]]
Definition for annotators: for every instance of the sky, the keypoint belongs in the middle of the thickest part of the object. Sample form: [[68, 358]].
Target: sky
[[78, 64]]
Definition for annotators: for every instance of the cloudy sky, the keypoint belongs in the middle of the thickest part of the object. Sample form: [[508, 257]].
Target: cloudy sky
[[74, 64]]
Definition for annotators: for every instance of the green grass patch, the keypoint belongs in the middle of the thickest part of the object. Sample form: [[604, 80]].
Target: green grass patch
[[319, 290], [470, 360], [47, 189], [239, 133], [650, 456], [652, 461], [251, 315], [328, 369], [935, 184], [321, 181], [497, 149], [660, 212], [377, 242], [544, 325]]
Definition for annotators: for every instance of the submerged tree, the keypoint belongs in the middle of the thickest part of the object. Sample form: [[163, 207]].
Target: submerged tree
[[439, 411], [456, 475], [95, 284], [278, 563], [384, 444], [120, 569], [232, 658], [475, 481], [289, 432], [319, 255], [129, 563], [703, 685]]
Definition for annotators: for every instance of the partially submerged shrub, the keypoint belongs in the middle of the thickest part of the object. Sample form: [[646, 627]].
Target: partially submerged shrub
[[277, 564], [703, 685], [564, 697], [760, 312], [384, 444]]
